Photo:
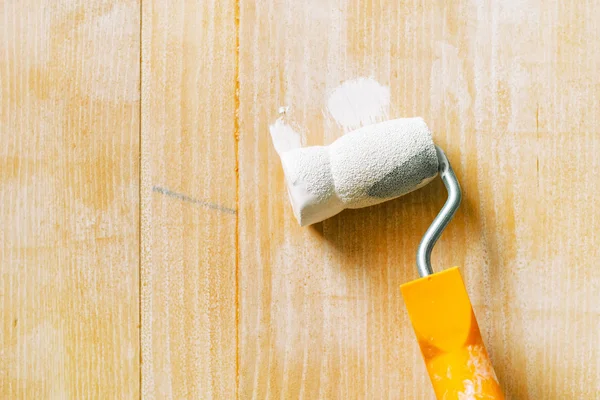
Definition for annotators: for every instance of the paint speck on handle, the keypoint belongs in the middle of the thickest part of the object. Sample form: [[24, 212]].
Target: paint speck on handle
[[359, 102]]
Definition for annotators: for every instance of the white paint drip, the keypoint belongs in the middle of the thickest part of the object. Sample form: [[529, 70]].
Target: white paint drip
[[359, 102], [284, 137]]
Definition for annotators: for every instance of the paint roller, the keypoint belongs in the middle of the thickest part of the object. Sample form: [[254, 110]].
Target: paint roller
[[377, 163]]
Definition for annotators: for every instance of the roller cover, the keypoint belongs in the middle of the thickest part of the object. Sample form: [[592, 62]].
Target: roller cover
[[443, 320], [368, 166]]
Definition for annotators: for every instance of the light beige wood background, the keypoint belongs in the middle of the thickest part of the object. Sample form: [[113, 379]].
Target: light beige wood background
[[69, 199], [147, 248]]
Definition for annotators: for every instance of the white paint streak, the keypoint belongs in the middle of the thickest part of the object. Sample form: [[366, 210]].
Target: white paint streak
[[359, 102], [284, 137]]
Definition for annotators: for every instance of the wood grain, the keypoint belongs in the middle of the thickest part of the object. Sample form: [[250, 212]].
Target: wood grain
[[188, 273], [236, 300], [69, 173], [509, 91], [321, 312]]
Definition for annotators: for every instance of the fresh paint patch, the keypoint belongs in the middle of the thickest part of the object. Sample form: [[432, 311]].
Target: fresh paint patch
[[359, 102]]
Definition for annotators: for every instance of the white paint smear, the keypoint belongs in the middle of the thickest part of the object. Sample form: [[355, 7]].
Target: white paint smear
[[469, 392], [284, 137], [359, 102]]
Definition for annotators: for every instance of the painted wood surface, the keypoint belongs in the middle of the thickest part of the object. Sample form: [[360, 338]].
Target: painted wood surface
[[186, 229], [69, 199]]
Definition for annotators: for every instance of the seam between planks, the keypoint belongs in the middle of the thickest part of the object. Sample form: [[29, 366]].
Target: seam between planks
[[140, 188], [236, 139]]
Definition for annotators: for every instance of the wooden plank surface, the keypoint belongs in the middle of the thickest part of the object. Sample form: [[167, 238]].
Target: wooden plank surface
[[236, 300], [188, 273], [69, 173], [509, 91], [321, 312]]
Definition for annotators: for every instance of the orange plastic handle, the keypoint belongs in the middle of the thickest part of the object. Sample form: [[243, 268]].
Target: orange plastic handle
[[441, 314]]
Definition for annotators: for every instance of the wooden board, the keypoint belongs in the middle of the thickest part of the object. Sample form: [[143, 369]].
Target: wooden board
[[236, 300], [69, 173], [188, 274], [509, 91]]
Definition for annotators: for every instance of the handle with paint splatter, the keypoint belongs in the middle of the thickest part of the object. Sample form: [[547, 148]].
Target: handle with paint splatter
[[444, 323]]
